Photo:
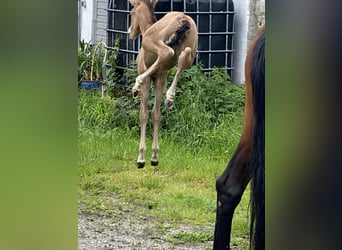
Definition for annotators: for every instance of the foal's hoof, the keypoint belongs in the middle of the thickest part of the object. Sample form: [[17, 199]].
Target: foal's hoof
[[169, 104], [141, 164], [135, 93], [154, 163]]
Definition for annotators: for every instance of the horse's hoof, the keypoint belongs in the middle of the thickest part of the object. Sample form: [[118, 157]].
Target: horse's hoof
[[154, 163], [169, 104], [141, 164], [135, 93]]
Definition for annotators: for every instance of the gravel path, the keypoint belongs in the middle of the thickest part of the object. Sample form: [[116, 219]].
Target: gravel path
[[126, 230]]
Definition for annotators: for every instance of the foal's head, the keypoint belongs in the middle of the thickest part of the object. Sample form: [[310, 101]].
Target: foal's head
[[141, 7]]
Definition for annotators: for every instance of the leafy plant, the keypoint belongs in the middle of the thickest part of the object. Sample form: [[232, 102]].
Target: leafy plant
[[111, 77], [84, 60], [97, 62]]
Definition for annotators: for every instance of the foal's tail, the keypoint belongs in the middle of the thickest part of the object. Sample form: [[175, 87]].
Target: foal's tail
[[179, 35], [257, 229]]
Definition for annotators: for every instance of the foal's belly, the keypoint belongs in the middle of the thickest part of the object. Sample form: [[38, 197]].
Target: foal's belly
[[150, 58]]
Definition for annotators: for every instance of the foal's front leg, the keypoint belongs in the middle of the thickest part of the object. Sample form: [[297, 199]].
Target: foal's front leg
[[141, 68], [159, 82], [163, 52], [143, 122]]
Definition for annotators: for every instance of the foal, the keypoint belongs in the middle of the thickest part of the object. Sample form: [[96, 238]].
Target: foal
[[248, 161], [165, 43]]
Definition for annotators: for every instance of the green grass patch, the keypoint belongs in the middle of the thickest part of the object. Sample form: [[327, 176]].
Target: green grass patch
[[181, 190], [197, 138], [184, 237]]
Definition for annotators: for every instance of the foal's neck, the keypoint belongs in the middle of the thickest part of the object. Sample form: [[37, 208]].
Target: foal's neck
[[144, 26], [147, 19]]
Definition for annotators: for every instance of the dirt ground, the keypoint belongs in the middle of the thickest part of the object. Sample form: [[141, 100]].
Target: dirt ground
[[127, 230]]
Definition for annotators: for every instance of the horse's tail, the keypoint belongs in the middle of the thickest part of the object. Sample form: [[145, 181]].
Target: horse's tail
[[179, 34], [257, 228]]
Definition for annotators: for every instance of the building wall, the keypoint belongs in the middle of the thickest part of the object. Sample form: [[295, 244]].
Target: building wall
[[101, 21], [240, 40], [86, 17], [250, 14], [92, 16]]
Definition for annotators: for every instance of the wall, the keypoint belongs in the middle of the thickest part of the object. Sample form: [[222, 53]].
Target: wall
[[101, 21], [86, 14], [249, 15], [240, 40]]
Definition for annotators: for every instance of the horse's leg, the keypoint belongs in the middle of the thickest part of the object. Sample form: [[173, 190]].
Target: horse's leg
[[164, 53], [184, 62], [230, 187], [156, 114], [143, 122], [141, 68]]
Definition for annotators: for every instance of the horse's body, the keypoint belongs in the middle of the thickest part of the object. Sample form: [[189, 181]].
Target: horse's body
[[165, 43], [248, 161]]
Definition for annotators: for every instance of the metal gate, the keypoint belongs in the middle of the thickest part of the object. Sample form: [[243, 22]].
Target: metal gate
[[214, 19]]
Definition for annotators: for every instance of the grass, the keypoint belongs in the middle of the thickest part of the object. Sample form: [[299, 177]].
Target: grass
[[181, 190], [191, 237]]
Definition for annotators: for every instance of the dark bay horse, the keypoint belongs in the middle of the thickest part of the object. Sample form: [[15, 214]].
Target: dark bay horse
[[168, 42], [248, 161]]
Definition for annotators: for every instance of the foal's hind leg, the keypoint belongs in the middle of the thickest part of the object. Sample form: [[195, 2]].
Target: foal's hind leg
[[184, 62], [230, 187], [156, 114]]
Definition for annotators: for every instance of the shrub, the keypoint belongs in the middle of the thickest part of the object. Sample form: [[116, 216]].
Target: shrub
[[102, 59], [203, 102], [84, 60], [202, 99]]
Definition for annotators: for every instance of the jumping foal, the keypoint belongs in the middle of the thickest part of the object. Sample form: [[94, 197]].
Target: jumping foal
[[165, 43], [248, 161]]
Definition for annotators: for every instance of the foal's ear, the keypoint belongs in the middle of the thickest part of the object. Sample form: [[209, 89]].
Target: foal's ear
[[154, 2]]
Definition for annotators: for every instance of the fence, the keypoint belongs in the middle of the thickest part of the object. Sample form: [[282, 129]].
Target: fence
[[214, 19]]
